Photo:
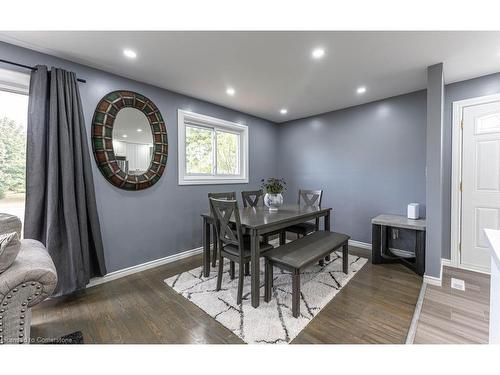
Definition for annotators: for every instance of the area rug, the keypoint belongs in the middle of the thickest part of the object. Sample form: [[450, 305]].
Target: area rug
[[272, 322]]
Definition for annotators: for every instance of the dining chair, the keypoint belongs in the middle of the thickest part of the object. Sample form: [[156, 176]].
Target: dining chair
[[252, 198], [230, 195], [232, 244], [307, 198]]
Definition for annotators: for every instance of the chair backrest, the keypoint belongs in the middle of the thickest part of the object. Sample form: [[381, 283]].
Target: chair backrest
[[230, 195], [310, 197], [222, 211], [252, 198]]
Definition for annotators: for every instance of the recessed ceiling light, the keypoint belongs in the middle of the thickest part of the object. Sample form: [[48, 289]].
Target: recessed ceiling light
[[283, 111], [361, 90], [230, 91], [318, 53], [139, 130], [124, 135], [129, 53]]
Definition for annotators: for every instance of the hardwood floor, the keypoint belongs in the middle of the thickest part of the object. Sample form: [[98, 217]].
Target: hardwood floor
[[451, 316], [376, 306]]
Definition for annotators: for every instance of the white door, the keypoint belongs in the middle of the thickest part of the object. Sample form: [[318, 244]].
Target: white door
[[480, 183]]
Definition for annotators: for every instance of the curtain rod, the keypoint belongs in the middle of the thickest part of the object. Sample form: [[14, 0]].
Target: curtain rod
[[31, 68]]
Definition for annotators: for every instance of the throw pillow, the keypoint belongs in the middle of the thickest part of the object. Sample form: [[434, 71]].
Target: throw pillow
[[9, 248]]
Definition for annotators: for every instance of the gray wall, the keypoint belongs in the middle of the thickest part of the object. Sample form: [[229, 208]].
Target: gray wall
[[164, 219], [336, 151], [368, 159], [472, 88], [434, 170]]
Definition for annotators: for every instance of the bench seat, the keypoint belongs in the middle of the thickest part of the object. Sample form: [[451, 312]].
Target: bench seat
[[307, 250], [295, 256]]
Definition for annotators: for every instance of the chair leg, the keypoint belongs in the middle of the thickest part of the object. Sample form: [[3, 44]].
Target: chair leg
[[231, 270], [241, 279], [345, 258], [282, 237], [214, 252], [268, 281], [247, 269], [296, 294], [219, 273]]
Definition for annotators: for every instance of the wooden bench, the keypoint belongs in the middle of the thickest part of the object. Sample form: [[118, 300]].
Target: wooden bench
[[297, 255]]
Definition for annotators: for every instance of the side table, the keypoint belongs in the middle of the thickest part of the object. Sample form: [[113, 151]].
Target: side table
[[381, 252]]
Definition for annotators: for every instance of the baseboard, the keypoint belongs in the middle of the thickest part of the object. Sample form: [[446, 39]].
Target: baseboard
[[142, 267], [188, 253], [446, 262], [432, 280], [361, 245]]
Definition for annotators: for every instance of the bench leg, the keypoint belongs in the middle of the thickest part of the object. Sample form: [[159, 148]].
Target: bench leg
[[345, 258], [268, 281], [296, 293]]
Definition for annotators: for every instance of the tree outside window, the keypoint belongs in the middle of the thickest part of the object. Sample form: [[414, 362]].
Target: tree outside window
[[13, 119], [12, 157]]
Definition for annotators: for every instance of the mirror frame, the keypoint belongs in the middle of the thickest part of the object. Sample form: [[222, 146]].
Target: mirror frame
[[102, 140]]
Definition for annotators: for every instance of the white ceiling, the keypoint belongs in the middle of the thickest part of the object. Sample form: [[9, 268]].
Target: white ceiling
[[272, 70]]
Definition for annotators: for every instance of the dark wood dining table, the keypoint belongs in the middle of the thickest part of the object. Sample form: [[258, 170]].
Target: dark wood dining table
[[258, 221]]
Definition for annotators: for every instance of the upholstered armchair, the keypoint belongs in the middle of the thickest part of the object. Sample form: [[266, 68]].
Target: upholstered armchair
[[28, 281]]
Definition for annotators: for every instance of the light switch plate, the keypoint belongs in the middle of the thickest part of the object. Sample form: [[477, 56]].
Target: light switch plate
[[457, 284]]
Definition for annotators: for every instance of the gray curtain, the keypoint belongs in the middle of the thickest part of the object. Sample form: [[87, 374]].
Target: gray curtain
[[61, 209]]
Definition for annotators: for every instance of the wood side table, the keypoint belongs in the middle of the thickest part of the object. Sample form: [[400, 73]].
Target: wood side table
[[380, 239]]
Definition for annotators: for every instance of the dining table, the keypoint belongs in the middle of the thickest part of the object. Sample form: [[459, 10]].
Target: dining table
[[259, 221]]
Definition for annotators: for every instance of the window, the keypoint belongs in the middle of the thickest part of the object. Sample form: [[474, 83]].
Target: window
[[13, 121], [211, 151]]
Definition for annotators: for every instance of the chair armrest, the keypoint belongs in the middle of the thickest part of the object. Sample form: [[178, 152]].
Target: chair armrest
[[29, 280], [33, 268]]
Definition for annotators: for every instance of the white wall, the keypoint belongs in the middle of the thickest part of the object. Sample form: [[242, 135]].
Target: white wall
[[137, 154]]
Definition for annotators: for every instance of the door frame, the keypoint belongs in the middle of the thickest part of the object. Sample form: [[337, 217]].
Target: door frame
[[456, 174]]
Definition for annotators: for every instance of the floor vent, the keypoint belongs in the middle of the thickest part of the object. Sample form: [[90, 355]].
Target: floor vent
[[457, 284]]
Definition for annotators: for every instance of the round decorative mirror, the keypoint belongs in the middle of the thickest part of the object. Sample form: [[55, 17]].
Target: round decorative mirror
[[129, 140]]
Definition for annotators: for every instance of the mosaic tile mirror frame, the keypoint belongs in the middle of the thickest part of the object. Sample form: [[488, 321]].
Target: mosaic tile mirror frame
[[103, 124]]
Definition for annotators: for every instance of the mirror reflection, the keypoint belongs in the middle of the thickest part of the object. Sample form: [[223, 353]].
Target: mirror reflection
[[132, 141]]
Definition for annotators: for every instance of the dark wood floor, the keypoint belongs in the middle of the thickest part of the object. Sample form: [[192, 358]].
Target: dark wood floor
[[376, 306]]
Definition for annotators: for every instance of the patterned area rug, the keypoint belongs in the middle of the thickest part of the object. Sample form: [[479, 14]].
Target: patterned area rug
[[272, 322]]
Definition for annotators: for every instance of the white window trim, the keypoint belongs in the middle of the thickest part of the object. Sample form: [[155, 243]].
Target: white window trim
[[14, 81], [203, 120]]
